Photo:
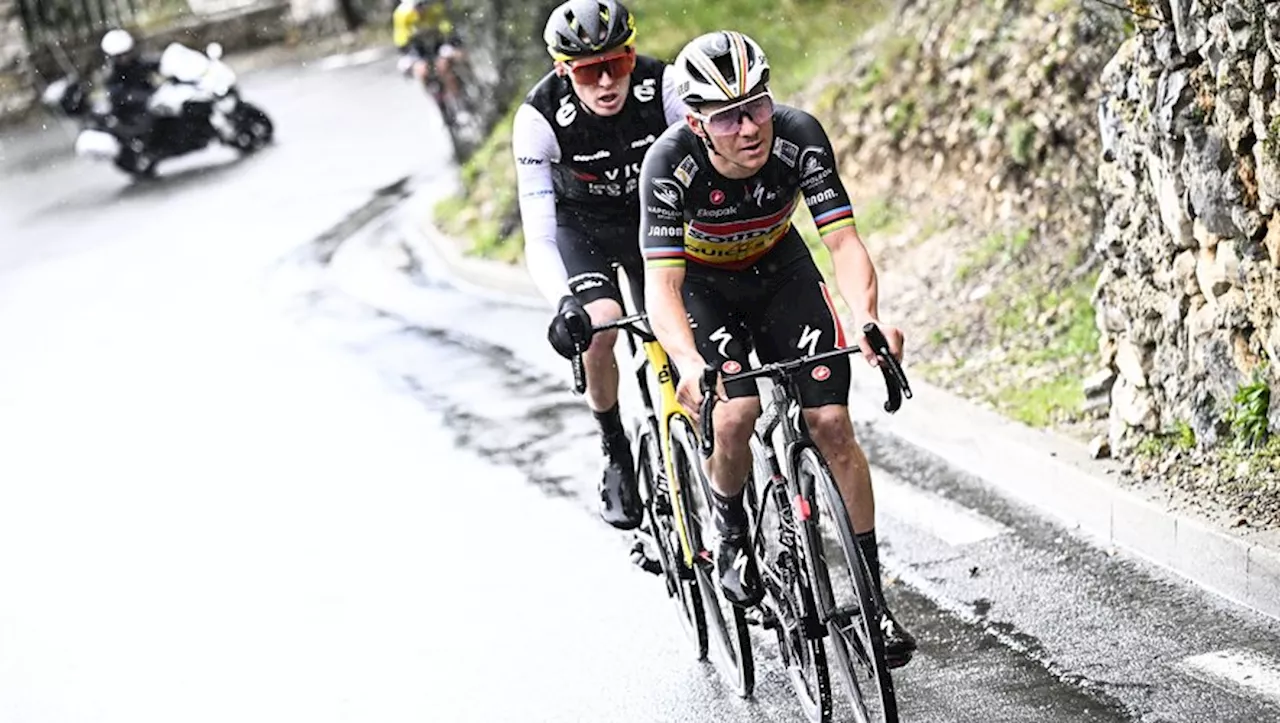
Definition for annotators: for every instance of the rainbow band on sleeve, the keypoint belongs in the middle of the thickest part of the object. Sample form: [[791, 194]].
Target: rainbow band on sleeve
[[664, 257], [834, 220]]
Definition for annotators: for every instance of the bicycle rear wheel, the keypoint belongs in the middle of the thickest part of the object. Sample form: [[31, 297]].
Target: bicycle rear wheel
[[790, 591], [681, 582], [729, 622], [854, 631]]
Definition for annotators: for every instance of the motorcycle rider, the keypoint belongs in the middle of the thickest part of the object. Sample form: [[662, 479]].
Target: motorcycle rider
[[129, 76], [578, 140]]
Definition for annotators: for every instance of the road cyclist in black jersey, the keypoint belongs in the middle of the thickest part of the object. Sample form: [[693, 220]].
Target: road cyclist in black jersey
[[727, 273], [578, 140]]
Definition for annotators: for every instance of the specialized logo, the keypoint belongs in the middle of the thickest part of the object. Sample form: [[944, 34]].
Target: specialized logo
[[646, 91], [717, 197], [668, 191], [646, 141], [721, 337], [820, 373], [567, 112], [757, 191], [731, 367], [787, 151], [818, 198], [809, 340], [597, 156]]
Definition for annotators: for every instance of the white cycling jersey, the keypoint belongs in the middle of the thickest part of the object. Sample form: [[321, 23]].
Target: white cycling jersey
[[536, 148]]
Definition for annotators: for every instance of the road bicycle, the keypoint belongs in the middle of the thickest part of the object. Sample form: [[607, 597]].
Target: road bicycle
[[672, 484], [818, 587]]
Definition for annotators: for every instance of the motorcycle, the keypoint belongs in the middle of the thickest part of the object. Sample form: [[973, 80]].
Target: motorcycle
[[196, 105]]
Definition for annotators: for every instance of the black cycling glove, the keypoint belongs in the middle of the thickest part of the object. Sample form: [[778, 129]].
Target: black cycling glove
[[570, 330]]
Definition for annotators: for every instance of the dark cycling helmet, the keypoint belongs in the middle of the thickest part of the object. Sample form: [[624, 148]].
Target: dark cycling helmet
[[585, 27]]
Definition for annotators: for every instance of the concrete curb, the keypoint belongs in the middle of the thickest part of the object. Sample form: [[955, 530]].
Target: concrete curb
[[951, 436]]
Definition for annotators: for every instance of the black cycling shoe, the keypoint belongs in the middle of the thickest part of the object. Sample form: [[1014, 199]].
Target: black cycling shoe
[[899, 645], [739, 576], [619, 494]]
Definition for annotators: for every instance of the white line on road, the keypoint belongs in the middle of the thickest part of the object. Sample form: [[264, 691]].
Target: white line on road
[[948, 521], [1242, 672]]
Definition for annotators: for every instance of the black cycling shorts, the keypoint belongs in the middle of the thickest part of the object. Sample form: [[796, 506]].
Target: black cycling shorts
[[785, 313], [590, 256]]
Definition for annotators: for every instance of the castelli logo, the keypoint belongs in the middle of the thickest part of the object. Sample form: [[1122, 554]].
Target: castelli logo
[[731, 367], [820, 373], [717, 197]]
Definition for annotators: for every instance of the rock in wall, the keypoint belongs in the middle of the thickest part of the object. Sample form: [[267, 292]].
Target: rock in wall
[[1188, 302]]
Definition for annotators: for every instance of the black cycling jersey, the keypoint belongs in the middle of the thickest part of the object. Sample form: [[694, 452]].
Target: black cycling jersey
[[598, 176], [750, 281], [692, 213]]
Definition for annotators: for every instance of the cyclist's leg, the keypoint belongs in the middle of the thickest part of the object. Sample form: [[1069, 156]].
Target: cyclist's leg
[[723, 342], [446, 51], [800, 321], [591, 281]]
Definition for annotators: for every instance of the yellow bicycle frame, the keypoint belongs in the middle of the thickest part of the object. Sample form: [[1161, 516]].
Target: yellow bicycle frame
[[669, 407]]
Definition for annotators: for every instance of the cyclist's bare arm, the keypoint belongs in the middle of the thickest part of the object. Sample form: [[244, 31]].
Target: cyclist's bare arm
[[662, 240], [828, 202], [668, 317], [855, 273]]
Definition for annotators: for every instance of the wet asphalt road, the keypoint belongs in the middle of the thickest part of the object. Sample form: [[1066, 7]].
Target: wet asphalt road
[[262, 462]]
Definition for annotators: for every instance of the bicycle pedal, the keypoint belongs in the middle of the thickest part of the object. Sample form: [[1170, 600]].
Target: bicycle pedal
[[643, 561]]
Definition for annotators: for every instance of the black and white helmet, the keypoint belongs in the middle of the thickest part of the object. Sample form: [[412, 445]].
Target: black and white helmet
[[586, 27], [720, 66]]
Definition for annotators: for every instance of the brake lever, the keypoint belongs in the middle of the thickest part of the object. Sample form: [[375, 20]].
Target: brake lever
[[895, 379], [708, 384], [579, 374]]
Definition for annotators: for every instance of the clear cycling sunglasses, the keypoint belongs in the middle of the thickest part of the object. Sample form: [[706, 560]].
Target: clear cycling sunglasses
[[728, 120]]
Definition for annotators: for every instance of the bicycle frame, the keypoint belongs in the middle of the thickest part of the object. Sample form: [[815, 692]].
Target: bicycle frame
[[655, 358]]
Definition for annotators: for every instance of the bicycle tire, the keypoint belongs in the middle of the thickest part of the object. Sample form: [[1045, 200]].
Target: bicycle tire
[[681, 583], [737, 663], [859, 645], [804, 659]]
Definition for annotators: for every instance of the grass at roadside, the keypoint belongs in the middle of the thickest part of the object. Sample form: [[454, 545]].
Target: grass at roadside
[[801, 38]]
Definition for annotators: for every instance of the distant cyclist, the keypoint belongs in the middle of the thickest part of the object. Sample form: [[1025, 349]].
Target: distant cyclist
[[726, 272], [428, 40], [579, 139]]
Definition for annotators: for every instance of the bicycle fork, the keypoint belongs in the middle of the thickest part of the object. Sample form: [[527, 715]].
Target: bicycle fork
[[795, 531]]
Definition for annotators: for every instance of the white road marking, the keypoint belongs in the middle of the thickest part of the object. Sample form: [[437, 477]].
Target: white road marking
[[948, 521], [1243, 672]]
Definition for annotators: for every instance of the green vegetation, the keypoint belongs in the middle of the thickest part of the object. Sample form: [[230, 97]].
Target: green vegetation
[[1040, 404], [1248, 412], [802, 37], [1020, 139], [995, 250]]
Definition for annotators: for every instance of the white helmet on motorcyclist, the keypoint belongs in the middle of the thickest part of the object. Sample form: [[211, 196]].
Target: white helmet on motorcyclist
[[117, 42]]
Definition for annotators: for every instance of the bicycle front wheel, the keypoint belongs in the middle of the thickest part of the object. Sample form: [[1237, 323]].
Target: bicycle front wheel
[[682, 584], [727, 620], [853, 627], [790, 588]]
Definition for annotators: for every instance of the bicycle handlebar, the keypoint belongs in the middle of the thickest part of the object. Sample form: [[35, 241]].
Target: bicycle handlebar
[[895, 379], [627, 323]]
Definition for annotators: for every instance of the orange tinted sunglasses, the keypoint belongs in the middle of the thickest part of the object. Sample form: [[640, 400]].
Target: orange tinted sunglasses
[[616, 65]]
